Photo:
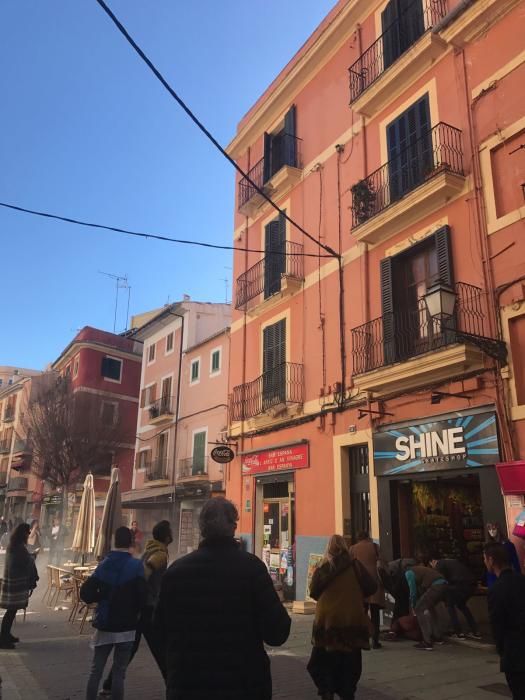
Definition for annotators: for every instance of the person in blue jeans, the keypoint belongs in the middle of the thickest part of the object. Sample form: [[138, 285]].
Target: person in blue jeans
[[118, 587]]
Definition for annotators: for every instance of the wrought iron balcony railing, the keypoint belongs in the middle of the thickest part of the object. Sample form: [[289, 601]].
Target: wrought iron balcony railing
[[157, 469], [407, 333], [266, 276], [17, 483], [193, 466], [161, 407], [285, 151], [282, 385], [397, 38], [436, 151]]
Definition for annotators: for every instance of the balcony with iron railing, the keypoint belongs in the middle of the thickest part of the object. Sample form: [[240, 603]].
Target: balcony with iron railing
[[416, 181], [280, 386], [279, 170], [387, 64], [17, 483], [386, 351], [193, 467], [161, 410], [278, 272], [157, 469]]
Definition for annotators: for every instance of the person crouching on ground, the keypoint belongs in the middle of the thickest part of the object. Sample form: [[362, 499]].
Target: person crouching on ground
[[19, 581], [506, 600], [341, 627], [217, 608], [428, 588], [461, 587], [367, 552], [155, 560], [119, 588]]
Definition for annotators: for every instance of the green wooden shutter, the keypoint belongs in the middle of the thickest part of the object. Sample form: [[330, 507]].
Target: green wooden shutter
[[275, 259], [289, 140], [387, 307], [267, 157], [390, 29], [199, 452]]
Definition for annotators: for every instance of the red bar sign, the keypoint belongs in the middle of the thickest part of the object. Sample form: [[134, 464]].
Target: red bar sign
[[282, 459]]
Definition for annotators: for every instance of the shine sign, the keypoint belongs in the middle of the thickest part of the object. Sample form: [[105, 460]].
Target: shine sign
[[463, 440]]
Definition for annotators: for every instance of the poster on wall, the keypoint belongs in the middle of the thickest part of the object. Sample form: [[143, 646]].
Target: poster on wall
[[313, 562], [464, 440]]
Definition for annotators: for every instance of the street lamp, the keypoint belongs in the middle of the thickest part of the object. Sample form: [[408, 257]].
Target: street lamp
[[440, 300]]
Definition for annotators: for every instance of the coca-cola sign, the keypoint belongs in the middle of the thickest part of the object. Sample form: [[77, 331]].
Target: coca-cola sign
[[280, 459], [222, 454]]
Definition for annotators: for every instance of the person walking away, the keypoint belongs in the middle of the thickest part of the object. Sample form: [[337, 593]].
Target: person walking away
[[495, 534], [119, 588], [18, 583], [341, 629], [34, 539], [217, 608], [367, 552], [138, 537], [428, 588], [56, 541], [506, 600], [461, 587], [155, 560]]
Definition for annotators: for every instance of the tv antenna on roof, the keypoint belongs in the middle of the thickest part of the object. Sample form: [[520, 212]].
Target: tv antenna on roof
[[121, 282]]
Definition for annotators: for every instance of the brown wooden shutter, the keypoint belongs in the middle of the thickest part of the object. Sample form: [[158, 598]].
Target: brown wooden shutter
[[444, 255], [143, 398], [153, 393]]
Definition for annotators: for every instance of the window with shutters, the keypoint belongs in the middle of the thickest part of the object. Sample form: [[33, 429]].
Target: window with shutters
[[76, 365], [402, 23], [405, 279], [280, 147], [195, 371], [274, 364], [148, 395], [143, 459], [274, 255], [215, 361], [409, 143], [169, 343], [151, 353], [199, 452], [109, 412], [111, 369]]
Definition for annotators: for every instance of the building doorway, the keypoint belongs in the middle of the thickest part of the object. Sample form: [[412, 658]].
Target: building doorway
[[359, 490]]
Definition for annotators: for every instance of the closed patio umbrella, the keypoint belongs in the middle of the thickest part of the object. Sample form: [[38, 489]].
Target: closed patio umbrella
[[112, 516], [84, 538]]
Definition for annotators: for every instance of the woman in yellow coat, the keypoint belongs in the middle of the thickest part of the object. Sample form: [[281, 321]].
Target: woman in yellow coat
[[341, 628]]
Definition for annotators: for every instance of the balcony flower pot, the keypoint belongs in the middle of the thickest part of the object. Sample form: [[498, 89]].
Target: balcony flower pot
[[363, 201]]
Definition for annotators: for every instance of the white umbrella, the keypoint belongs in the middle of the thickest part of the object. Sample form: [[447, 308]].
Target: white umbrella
[[112, 516], [84, 538]]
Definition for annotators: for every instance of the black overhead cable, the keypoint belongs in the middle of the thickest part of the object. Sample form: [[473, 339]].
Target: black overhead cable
[[155, 236], [205, 131]]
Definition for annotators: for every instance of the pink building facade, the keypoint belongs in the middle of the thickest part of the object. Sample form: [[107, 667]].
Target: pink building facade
[[182, 408]]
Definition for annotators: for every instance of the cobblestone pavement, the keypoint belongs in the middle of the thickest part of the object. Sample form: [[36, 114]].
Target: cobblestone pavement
[[52, 661]]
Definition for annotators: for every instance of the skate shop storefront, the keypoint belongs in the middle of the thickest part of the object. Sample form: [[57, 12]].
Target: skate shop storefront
[[438, 486], [274, 489]]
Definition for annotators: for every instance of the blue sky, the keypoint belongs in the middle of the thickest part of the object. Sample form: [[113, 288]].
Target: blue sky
[[88, 132]]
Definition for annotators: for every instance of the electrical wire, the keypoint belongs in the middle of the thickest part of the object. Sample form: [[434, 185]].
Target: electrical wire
[[122, 29], [142, 234]]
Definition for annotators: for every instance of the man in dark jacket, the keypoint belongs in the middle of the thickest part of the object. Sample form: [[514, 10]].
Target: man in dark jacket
[[155, 560], [217, 608], [119, 587], [461, 587], [506, 600]]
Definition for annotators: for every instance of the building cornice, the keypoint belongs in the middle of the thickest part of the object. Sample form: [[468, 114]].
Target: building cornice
[[318, 50]]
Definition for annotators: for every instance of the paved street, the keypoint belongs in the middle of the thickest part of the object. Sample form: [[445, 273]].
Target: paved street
[[52, 663]]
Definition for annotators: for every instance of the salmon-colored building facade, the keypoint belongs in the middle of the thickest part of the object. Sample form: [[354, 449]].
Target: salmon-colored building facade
[[376, 377], [183, 408]]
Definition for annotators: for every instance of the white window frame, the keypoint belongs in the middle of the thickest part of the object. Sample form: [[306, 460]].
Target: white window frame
[[119, 359], [149, 360], [172, 350], [216, 372], [141, 452], [76, 365], [115, 412], [198, 379], [147, 388]]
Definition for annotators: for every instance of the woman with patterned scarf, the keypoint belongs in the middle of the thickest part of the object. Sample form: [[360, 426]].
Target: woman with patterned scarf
[[341, 628]]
